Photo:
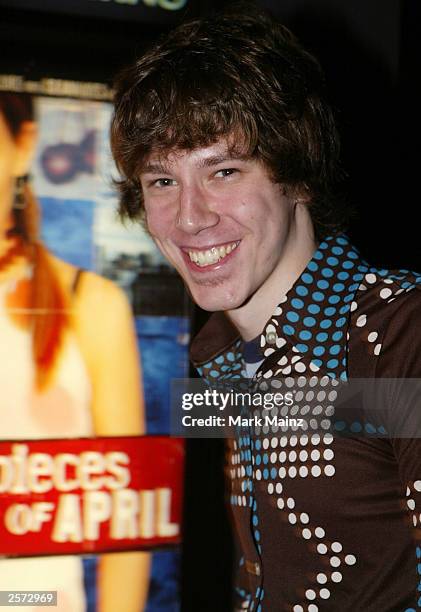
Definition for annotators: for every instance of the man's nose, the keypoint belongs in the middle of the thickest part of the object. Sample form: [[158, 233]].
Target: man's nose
[[195, 211]]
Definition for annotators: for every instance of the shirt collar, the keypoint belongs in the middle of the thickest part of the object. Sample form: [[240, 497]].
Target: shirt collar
[[312, 316]]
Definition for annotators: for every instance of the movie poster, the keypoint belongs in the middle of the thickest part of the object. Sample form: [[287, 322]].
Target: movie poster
[[72, 177]]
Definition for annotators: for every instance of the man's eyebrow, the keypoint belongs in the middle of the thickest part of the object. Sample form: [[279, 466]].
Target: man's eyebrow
[[154, 168], [214, 160]]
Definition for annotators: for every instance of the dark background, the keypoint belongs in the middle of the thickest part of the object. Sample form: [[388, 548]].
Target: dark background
[[370, 52]]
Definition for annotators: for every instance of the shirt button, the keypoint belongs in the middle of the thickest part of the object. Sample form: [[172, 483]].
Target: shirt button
[[271, 338], [257, 569]]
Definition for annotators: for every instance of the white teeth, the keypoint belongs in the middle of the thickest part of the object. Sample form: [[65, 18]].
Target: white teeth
[[211, 256]]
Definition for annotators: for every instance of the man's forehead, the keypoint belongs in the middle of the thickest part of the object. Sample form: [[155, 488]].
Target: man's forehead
[[212, 154]]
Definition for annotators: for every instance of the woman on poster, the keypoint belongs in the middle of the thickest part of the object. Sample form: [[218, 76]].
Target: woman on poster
[[69, 364]]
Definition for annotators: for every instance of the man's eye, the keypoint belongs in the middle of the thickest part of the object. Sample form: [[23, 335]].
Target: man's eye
[[225, 172], [163, 182]]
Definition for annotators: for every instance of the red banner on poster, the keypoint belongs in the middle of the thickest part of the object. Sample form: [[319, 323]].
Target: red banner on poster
[[90, 495]]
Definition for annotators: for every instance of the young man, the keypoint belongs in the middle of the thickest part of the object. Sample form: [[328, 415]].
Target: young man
[[228, 152]]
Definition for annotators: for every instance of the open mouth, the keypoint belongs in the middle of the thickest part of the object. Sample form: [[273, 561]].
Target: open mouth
[[211, 256]]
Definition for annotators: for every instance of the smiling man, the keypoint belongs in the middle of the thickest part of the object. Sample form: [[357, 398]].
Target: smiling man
[[228, 152]]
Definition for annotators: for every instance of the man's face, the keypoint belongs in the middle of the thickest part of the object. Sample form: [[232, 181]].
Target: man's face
[[219, 219]]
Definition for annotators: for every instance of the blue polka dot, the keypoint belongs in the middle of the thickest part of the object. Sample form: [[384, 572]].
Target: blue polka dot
[[343, 275], [332, 363], [214, 373], [327, 272], [314, 309], [352, 255], [259, 608], [301, 290], [258, 460], [326, 323], [418, 552], [330, 311], [337, 336], [338, 287], [419, 568], [292, 316], [332, 261], [265, 473], [317, 362], [255, 520], [322, 337], [303, 348], [265, 459], [348, 298], [312, 266], [341, 240], [356, 427], [323, 245], [258, 444], [347, 265], [318, 296], [319, 350], [335, 349], [257, 535], [370, 428], [318, 255], [309, 321], [273, 473], [307, 278], [305, 334], [381, 430], [297, 303], [322, 284], [344, 309], [339, 425], [288, 330], [341, 322], [334, 299], [337, 250]]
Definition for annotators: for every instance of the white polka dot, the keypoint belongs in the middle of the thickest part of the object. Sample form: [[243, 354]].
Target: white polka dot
[[320, 532], [414, 520], [283, 441], [310, 594], [292, 518], [304, 518], [292, 472], [290, 502], [328, 438], [274, 442], [335, 561], [292, 456], [306, 534], [324, 593], [370, 278], [336, 577], [303, 471], [312, 608], [336, 547], [411, 504], [315, 439], [321, 578], [385, 293], [377, 349], [315, 455], [258, 475], [293, 441], [350, 560], [279, 487], [417, 485], [282, 457], [354, 306], [266, 440], [329, 470], [316, 471], [372, 336], [328, 454], [408, 491], [270, 488], [303, 440], [282, 472], [362, 320], [321, 549], [280, 503], [298, 609]]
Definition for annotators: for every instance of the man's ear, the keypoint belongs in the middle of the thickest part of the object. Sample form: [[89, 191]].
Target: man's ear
[[25, 142]]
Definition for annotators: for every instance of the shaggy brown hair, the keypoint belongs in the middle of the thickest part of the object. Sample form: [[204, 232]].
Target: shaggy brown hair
[[238, 76]]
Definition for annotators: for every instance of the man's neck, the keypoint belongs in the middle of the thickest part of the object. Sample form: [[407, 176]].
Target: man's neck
[[250, 318]]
